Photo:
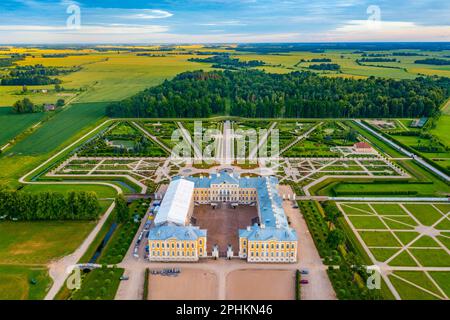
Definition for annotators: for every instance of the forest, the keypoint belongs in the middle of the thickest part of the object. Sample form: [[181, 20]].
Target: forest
[[252, 93], [434, 61], [224, 61], [19, 205], [325, 66], [33, 75], [363, 60]]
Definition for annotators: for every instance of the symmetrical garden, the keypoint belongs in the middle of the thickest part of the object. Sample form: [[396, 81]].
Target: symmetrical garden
[[410, 242]]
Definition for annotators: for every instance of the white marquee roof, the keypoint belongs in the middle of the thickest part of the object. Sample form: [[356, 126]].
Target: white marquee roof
[[176, 204]]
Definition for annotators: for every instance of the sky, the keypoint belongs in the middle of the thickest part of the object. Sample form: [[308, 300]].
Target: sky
[[222, 21]]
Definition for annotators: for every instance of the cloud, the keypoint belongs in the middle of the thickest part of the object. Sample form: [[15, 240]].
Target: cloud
[[87, 29], [146, 14], [366, 30], [223, 23]]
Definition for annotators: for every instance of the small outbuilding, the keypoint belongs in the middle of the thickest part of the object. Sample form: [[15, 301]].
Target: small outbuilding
[[362, 147]]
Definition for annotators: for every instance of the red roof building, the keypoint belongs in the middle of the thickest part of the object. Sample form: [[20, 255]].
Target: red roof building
[[363, 147]]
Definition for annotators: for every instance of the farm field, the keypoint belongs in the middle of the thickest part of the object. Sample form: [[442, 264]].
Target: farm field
[[59, 129], [111, 75], [14, 124], [409, 239]]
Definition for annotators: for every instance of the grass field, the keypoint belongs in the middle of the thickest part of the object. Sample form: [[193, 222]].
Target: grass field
[[406, 235], [443, 125], [59, 129], [16, 283], [25, 243], [26, 248], [101, 191], [13, 124]]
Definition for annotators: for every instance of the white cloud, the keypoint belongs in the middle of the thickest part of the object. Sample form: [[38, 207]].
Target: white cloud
[[146, 14], [85, 29], [223, 23], [365, 30]]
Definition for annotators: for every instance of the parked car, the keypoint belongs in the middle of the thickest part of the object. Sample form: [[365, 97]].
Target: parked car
[[304, 271], [304, 281], [124, 278]]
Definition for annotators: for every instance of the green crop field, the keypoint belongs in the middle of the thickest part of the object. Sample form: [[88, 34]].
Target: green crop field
[[403, 236], [60, 128], [13, 124]]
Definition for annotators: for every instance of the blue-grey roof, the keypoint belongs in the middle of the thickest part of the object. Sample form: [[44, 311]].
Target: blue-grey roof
[[257, 233], [270, 204], [177, 232]]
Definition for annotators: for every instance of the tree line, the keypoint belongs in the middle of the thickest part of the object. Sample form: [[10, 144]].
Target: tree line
[[433, 61], [224, 61], [325, 66], [27, 106], [34, 75], [19, 205], [252, 93]]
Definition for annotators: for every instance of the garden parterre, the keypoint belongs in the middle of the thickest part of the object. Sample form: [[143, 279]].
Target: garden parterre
[[410, 242]]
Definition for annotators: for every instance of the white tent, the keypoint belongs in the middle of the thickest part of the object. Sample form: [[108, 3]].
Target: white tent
[[177, 203]]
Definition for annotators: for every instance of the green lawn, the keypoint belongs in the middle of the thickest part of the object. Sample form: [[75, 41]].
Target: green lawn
[[442, 279], [443, 125], [40, 242], [101, 191], [16, 283], [432, 258], [425, 213], [379, 239], [404, 259], [410, 292], [357, 209], [60, 128], [388, 209], [369, 222], [13, 124]]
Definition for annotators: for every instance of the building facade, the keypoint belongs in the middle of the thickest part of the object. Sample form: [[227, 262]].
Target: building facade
[[177, 243], [173, 238], [270, 241]]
